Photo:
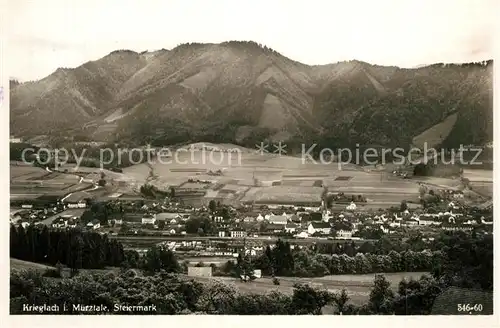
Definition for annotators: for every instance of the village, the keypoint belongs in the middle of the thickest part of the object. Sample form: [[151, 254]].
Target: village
[[221, 230]]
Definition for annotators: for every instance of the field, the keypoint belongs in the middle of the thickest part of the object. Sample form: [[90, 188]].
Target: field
[[34, 180], [358, 286], [252, 177], [481, 181], [16, 264], [484, 189], [435, 134], [479, 175]]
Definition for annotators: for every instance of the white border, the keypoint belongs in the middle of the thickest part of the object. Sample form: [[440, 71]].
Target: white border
[[221, 321]]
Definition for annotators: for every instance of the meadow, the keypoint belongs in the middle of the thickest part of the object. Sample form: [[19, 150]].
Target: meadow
[[251, 177], [358, 287]]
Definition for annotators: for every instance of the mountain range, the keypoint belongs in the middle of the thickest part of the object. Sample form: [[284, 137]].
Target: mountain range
[[243, 92]]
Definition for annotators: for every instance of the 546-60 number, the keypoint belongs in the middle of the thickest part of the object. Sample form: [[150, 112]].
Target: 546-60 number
[[470, 307]]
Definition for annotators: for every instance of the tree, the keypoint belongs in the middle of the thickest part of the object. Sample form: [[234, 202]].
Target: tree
[[309, 300], [161, 224], [341, 300], [225, 213], [217, 298], [158, 259], [466, 263], [124, 228], [212, 206], [192, 225], [381, 296], [245, 268], [416, 297], [404, 206]]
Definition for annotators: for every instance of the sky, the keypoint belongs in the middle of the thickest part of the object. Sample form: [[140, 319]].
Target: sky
[[45, 35]]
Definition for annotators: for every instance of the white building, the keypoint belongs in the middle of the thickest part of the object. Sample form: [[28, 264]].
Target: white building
[[148, 219], [238, 233], [95, 224], [344, 234], [320, 227], [278, 219], [351, 207], [426, 221], [303, 234]]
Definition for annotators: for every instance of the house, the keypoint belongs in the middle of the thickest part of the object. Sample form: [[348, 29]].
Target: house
[[326, 215], [278, 219], [77, 199], [384, 229], [95, 224], [15, 216], [248, 219], [425, 221], [218, 218], [59, 223], [148, 219], [454, 227], [274, 228], [24, 224], [15, 140], [344, 234], [351, 207], [167, 217], [251, 252], [303, 234], [319, 227], [485, 222], [118, 221], [223, 233], [395, 224], [260, 218], [291, 227], [409, 223], [238, 233]]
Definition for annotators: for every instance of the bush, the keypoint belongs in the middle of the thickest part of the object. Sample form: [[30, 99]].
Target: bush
[[276, 281]]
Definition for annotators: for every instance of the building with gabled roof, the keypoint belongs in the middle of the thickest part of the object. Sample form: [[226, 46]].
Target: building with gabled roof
[[278, 219], [319, 227]]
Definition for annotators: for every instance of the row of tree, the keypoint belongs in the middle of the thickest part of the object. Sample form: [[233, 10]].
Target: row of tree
[[73, 248]]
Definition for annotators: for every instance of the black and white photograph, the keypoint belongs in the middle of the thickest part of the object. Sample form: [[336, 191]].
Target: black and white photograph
[[250, 157]]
